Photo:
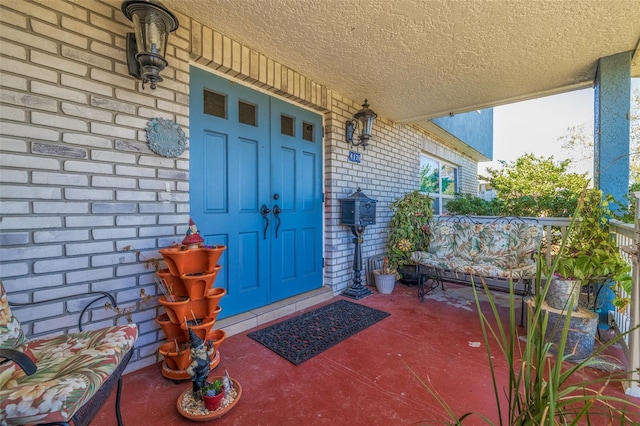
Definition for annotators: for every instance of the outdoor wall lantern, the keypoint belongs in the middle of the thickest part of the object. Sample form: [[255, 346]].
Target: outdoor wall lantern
[[363, 120], [152, 23]]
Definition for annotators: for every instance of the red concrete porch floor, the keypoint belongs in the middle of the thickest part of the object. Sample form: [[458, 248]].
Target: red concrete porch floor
[[364, 380]]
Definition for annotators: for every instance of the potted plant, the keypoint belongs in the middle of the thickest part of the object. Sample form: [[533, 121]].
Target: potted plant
[[385, 278], [408, 230], [586, 256], [589, 254], [212, 394]]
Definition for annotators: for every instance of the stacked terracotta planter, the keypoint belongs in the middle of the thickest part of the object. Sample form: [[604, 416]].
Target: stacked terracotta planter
[[190, 275]]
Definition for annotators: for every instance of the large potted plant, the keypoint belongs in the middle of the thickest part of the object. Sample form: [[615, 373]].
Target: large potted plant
[[590, 255], [587, 256], [408, 230]]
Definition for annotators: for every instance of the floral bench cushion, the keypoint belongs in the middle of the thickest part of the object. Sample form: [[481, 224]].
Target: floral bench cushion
[[496, 250], [71, 369]]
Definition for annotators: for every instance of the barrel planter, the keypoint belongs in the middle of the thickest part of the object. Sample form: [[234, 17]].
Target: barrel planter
[[580, 336]]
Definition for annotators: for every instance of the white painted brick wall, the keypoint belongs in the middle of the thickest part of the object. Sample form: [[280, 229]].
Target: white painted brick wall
[[78, 182]]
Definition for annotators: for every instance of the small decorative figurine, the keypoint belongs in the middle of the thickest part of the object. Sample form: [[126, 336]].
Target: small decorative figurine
[[193, 238], [199, 367]]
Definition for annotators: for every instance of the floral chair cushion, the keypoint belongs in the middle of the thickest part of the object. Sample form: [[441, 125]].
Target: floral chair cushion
[[442, 241], [526, 241], [487, 243], [11, 334], [498, 250], [70, 369]]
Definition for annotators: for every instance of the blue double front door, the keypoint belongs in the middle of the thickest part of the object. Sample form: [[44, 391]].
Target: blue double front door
[[256, 187]]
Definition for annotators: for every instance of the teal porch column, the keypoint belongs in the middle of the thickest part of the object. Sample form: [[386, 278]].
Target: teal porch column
[[611, 125]]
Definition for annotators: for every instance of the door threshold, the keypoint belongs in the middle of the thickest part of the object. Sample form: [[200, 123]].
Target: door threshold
[[237, 324]]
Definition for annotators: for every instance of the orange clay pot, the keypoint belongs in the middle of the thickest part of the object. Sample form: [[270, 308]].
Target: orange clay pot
[[181, 261], [197, 284], [171, 330], [175, 360], [214, 314], [200, 309], [202, 328], [217, 337], [176, 310], [174, 282], [213, 296]]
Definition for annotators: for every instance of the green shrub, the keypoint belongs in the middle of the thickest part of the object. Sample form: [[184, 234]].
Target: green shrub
[[407, 229]]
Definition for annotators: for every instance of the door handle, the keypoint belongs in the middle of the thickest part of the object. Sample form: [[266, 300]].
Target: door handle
[[264, 212], [276, 213]]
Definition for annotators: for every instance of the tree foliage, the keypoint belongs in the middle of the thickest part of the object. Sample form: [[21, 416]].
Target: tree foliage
[[541, 187], [429, 179], [535, 186], [469, 204]]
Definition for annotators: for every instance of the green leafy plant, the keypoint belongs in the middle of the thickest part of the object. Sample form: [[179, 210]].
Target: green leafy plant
[[467, 204], [541, 389], [213, 388], [590, 254], [408, 229], [537, 186]]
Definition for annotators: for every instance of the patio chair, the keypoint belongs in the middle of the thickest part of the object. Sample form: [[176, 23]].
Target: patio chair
[[60, 379]]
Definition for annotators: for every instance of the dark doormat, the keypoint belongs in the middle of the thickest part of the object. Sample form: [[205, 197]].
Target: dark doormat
[[305, 336]]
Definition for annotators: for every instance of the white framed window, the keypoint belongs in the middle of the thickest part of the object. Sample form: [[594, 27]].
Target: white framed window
[[440, 180]]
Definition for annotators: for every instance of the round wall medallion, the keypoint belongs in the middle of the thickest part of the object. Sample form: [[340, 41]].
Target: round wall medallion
[[165, 137]]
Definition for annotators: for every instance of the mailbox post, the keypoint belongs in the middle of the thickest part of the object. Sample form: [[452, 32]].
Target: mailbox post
[[357, 211]]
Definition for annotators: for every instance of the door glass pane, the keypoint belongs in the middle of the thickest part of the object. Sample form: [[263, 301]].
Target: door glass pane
[[307, 131], [429, 175], [287, 125], [247, 113], [215, 104]]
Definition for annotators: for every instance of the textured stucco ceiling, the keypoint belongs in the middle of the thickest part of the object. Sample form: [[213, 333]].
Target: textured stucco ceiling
[[419, 59]]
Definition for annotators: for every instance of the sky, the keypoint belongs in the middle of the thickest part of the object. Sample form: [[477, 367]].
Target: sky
[[535, 126]]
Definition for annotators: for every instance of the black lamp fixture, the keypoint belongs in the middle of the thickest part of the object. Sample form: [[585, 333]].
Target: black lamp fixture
[[152, 23], [363, 120]]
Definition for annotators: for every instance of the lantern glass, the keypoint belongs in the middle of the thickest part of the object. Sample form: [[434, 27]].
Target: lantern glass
[[365, 116], [367, 125], [152, 31], [152, 23]]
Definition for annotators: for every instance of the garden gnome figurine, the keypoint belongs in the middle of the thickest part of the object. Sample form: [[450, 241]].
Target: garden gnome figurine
[[199, 367], [193, 238]]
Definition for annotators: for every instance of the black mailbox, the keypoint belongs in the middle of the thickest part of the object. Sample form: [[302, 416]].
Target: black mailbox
[[357, 210]]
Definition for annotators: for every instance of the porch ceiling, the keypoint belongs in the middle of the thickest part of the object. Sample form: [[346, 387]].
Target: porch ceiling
[[419, 59]]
